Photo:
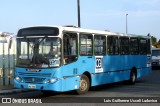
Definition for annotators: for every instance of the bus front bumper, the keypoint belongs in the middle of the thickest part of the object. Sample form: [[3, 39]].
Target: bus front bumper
[[46, 86]]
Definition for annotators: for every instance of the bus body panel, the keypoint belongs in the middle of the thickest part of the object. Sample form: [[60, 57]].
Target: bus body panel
[[109, 77], [69, 75], [144, 71], [84, 63], [52, 87], [126, 62], [39, 79], [118, 68]]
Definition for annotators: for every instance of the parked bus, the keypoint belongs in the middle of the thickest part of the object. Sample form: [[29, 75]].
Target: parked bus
[[71, 58], [155, 57]]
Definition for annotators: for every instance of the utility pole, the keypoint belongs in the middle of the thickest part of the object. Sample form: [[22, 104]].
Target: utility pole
[[126, 24], [79, 17]]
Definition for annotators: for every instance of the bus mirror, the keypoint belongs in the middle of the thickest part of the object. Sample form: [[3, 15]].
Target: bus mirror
[[10, 43]]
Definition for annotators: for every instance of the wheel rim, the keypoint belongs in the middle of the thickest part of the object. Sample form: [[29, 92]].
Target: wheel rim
[[83, 85], [133, 77]]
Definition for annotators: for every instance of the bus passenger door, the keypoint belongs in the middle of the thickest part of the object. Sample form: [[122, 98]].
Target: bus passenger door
[[70, 52], [70, 57]]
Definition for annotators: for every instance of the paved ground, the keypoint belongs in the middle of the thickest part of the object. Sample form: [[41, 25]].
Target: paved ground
[[6, 87], [147, 86]]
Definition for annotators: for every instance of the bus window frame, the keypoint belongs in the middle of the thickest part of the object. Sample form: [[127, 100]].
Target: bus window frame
[[87, 34]]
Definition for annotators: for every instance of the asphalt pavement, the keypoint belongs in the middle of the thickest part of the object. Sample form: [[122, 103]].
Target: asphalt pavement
[[147, 86]]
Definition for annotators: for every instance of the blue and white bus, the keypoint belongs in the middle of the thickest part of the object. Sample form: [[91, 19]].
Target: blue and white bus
[[62, 58]]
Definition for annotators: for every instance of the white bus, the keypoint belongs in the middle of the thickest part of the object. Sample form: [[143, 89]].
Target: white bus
[[155, 57]]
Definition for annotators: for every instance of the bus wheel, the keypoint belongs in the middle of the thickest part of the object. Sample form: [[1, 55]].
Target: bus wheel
[[84, 85], [133, 77]]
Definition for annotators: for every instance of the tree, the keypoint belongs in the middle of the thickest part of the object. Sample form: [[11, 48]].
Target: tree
[[154, 40]]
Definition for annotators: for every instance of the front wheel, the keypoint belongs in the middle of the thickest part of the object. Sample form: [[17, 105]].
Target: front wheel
[[84, 85]]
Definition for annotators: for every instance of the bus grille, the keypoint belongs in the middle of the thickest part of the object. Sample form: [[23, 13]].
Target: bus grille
[[35, 74], [33, 80]]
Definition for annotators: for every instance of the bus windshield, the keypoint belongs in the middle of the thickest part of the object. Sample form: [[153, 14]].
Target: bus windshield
[[38, 52]]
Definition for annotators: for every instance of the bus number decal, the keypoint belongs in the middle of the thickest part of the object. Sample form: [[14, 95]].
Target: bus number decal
[[98, 64], [53, 62]]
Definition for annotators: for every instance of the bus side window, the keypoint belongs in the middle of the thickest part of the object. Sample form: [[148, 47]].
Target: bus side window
[[134, 46], [70, 47], [112, 45], [99, 45], [86, 44], [143, 46], [124, 45]]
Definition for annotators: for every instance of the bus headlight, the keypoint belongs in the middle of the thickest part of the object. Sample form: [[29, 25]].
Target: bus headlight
[[18, 79], [52, 80]]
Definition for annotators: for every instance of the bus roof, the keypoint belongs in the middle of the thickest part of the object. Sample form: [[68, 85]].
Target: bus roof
[[82, 30]]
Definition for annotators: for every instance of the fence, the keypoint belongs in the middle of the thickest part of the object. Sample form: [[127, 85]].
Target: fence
[[7, 62]]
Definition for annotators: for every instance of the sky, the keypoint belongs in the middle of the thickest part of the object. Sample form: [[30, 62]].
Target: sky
[[143, 15]]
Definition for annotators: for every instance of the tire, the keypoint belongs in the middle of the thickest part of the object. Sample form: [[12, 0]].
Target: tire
[[84, 85], [133, 77]]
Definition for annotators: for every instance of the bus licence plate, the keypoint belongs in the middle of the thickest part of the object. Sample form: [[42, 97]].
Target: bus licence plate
[[31, 86]]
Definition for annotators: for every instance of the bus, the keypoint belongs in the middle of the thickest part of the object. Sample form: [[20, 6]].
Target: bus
[[80, 58], [155, 57]]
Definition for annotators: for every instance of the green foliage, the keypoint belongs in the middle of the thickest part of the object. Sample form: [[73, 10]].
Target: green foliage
[[154, 40]]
